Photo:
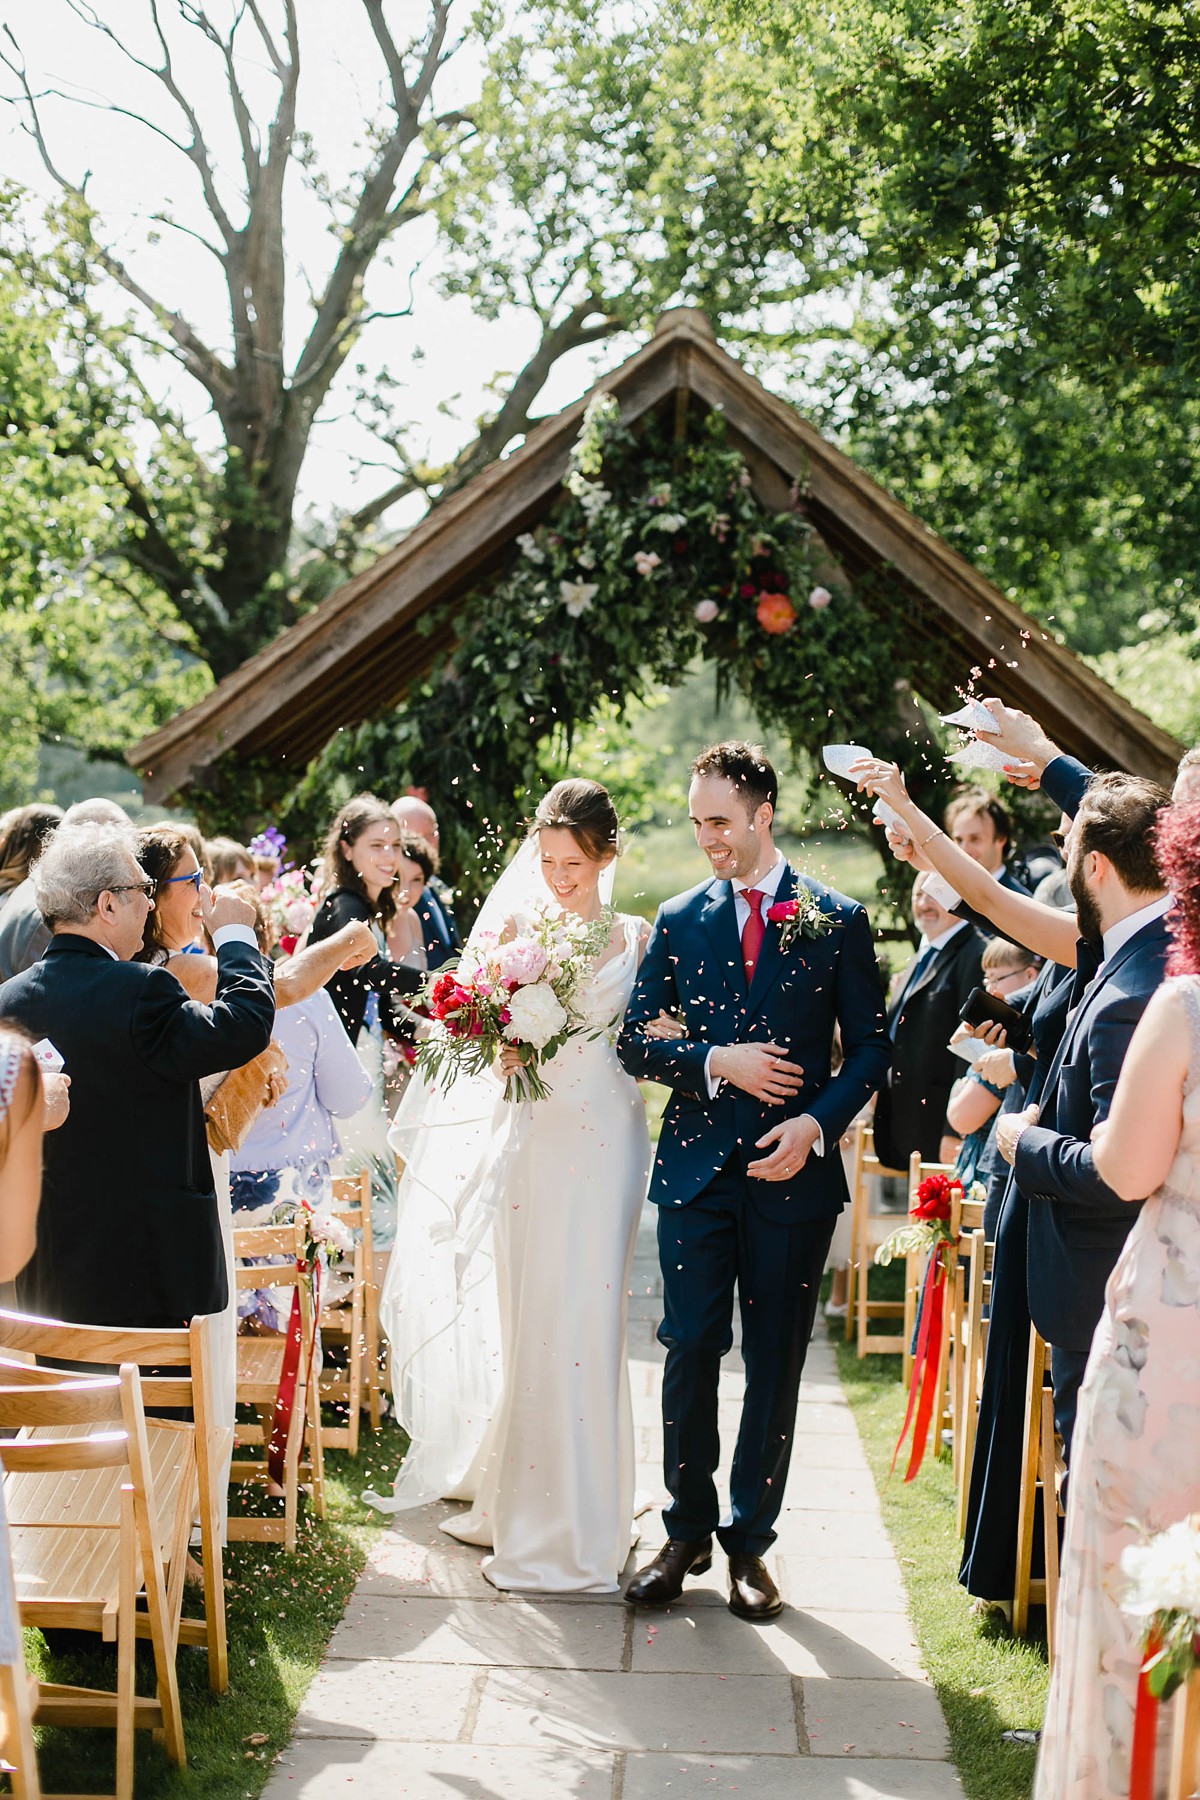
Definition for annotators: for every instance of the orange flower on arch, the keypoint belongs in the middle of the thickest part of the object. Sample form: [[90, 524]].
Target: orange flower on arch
[[775, 613]]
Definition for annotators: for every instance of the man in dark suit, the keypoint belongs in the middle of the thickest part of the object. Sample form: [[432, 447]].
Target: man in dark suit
[[128, 1233], [1077, 1225], [438, 925], [748, 1179], [910, 1113]]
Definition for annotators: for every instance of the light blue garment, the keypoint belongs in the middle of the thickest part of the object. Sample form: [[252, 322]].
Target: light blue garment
[[326, 1081]]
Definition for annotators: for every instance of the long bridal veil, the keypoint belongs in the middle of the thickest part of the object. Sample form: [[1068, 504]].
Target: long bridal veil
[[439, 1304]]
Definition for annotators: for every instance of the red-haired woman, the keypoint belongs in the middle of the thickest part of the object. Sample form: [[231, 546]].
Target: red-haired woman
[[1135, 1465]]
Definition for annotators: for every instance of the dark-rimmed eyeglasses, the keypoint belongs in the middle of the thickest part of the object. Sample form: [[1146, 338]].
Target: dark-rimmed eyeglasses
[[147, 887], [196, 877], [1059, 840]]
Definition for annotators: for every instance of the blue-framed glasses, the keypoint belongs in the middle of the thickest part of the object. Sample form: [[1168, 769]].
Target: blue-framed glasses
[[196, 877]]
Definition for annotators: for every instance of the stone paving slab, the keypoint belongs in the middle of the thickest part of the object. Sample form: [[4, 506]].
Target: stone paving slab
[[852, 1646], [845, 1585], [384, 1771], [779, 1778], [738, 1713], [562, 1635], [874, 1718], [388, 1700]]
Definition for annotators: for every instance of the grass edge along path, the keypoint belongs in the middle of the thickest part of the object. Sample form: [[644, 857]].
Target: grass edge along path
[[986, 1680], [282, 1610]]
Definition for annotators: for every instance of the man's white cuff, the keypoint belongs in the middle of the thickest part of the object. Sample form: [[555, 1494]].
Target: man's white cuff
[[713, 1082], [234, 934], [818, 1148]]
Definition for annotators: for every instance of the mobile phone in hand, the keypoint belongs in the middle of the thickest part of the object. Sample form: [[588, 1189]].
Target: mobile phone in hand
[[982, 1008]]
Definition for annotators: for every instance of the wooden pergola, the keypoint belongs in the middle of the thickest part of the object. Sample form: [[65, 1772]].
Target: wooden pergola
[[358, 653]]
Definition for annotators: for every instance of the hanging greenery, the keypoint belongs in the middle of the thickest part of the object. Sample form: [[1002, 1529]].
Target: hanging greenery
[[658, 552]]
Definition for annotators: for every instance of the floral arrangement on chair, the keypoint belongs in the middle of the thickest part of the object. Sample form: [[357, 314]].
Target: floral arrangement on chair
[[1163, 1589]]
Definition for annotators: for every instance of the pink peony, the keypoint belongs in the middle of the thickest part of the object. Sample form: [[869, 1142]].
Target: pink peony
[[819, 597], [646, 561], [775, 613], [521, 962], [706, 611]]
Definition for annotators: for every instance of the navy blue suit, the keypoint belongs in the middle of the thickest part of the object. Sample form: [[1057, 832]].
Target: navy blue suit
[[717, 1225], [438, 926]]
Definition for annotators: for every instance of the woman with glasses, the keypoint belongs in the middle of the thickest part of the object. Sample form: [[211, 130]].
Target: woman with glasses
[[975, 1098]]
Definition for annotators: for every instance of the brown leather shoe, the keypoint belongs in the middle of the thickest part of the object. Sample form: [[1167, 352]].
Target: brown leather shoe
[[752, 1593], [661, 1581]]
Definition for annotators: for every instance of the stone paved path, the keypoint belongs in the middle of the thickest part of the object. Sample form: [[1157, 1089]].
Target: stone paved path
[[436, 1687]]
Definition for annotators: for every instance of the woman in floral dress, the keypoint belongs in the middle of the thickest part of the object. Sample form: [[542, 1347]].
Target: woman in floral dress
[[1135, 1466]]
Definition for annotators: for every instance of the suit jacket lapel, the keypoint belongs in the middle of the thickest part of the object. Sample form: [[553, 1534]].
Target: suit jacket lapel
[[1079, 1017], [720, 921], [770, 957]]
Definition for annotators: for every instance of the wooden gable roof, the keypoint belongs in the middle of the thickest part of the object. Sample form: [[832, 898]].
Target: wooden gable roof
[[359, 652]]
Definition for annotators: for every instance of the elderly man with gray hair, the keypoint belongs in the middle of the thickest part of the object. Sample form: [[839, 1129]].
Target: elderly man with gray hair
[[129, 1234]]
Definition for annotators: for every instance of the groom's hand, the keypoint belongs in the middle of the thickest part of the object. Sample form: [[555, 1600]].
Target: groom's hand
[[759, 1069], [793, 1141]]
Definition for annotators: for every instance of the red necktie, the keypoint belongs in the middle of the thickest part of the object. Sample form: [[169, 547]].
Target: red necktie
[[753, 931]]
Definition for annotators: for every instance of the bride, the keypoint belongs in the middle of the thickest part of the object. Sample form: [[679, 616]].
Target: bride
[[505, 1301]]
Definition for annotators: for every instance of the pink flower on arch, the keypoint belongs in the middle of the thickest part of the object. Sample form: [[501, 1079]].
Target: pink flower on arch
[[706, 611], [819, 597]]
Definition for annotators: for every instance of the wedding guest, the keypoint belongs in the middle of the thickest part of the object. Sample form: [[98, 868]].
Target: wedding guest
[[910, 1111], [129, 1233], [229, 861], [980, 824], [1077, 1227], [24, 832], [406, 934], [286, 1155], [24, 934], [975, 1098], [434, 909], [1137, 1446], [361, 863]]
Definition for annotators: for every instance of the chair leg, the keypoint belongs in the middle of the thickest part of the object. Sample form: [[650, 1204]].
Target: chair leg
[[126, 1644], [18, 1744], [1049, 1518], [212, 1560], [1035, 1380]]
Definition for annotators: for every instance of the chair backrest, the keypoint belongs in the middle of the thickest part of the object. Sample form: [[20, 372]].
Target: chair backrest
[[175, 1365], [95, 1402], [251, 1243], [352, 1205]]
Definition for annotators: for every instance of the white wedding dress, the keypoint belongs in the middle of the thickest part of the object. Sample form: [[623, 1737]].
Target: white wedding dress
[[506, 1305]]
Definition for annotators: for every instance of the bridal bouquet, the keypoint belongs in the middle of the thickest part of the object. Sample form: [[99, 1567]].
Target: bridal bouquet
[[290, 906], [524, 992]]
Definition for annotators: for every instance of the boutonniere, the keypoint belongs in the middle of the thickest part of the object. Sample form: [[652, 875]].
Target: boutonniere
[[801, 916]]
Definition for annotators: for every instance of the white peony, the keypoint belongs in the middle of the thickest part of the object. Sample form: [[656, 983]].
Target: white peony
[[535, 1016], [1164, 1575]]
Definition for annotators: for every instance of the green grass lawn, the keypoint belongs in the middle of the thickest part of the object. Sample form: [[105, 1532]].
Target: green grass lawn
[[986, 1680], [282, 1610]]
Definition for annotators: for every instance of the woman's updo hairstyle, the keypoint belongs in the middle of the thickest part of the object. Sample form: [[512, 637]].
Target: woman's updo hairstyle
[[585, 810]]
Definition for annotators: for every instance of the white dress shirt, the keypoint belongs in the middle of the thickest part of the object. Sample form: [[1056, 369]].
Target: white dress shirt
[[767, 884]]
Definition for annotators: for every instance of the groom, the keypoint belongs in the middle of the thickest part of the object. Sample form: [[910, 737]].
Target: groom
[[748, 1179]]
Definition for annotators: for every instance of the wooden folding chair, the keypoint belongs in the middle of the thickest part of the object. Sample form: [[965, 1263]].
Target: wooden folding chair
[[353, 1322], [84, 1548], [260, 1367], [1184, 1779], [867, 1231], [176, 1369], [1052, 1472], [966, 1217], [975, 1278], [18, 1692], [1029, 1590]]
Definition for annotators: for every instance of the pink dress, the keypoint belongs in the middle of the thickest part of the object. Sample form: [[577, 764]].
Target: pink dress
[[1135, 1468]]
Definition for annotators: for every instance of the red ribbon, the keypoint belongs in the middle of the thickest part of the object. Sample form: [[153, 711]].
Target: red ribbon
[[1145, 1727], [285, 1393], [921, 1393]]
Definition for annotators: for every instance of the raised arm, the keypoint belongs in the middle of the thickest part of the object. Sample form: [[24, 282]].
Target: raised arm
[[298, 977], [1046, 930]]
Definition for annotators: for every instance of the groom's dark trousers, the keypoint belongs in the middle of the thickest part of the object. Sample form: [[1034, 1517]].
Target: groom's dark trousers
[[717, 1226]]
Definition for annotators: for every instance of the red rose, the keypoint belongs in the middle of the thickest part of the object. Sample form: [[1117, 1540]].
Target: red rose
[[680, 546], [934, 1198], [783, 910], [747, 590]]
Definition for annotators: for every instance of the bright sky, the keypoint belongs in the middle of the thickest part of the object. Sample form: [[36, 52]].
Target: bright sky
[[443, 355]]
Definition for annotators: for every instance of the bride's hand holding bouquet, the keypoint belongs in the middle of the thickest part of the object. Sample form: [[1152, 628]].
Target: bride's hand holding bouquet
[[514, 1000]]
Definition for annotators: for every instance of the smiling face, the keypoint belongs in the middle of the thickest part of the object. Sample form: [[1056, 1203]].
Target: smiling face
[[976, 834], [410, 883], [375, 855], [931, 918], [735, 837], [177, 904], [572, 876]]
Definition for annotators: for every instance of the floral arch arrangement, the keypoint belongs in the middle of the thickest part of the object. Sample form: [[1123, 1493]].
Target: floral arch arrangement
[[657, 553]]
